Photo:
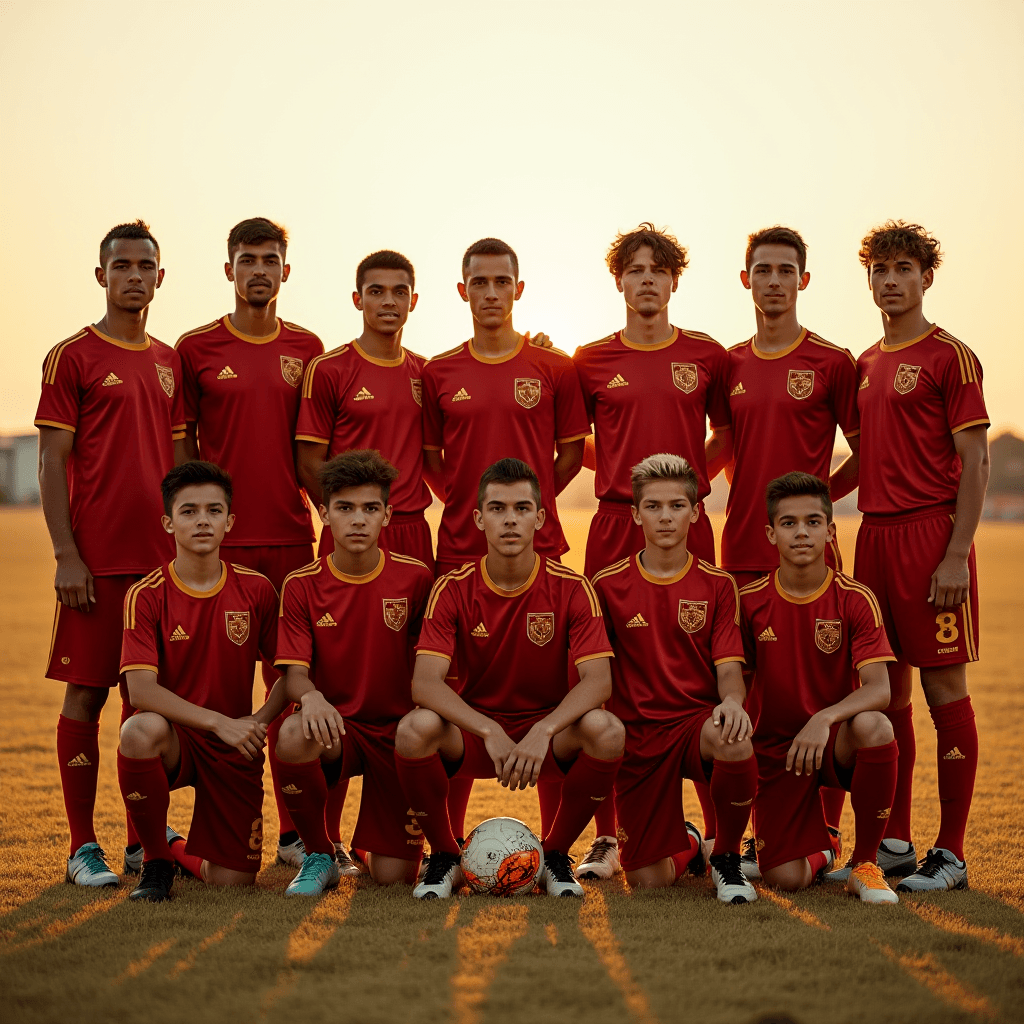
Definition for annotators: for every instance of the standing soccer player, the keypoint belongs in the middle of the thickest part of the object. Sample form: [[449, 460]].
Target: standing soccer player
[[351, 618], [111, 401], [242, 386], [512, 621], [810, 631], [924, 471], [194, 630], [674, 623]]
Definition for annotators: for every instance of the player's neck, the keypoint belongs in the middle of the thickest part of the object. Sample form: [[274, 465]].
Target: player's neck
[[802, 580], [124, 325], [905, 326], [256, 321], [380, 346], [495, 342], [355, 563], [664, 562], [647, 330], [198, 571], [774, 334], [511, 573]]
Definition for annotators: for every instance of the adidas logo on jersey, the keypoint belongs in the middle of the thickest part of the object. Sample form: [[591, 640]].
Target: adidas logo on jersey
[[362, 395], [112, 378], [768, 634], [79, 761], [954, 755], [618, 381], [326, 620], [738, 390], [461, 395], [227, 374], [637, 620], [291, 789], [180, 634], [863, 384], [136, 795], [480, 631]]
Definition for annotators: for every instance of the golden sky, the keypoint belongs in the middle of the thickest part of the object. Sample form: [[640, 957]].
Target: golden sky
[[424, 126]]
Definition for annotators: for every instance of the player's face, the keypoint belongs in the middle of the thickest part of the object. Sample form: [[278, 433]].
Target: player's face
[[509, 518], [665, 512], [199, 518], [490, 287], [355, 517], [258, 271], [647, 288], [132, 274], [801, 530], [775, 279], [898, 284], [386, 301]]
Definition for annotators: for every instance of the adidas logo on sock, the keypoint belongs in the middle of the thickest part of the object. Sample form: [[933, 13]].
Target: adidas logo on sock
[[742, 803], [362, 395], [79, 761], [884, 813], [954, 755], [863, 384], [326, 620], [112, 378], [291, 789], [227, 374], [637, 620], [768, 634], [480, 631], [618, 381], [180, 634], [738, 390], [461, 395], [135, 796]]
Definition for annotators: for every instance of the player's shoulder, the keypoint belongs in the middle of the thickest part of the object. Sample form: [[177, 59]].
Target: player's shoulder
[[700, 338], [336, 357], [299, 329], [408, 564], [546, 355], [835, 352], [611, 571], [297, 576], [573, 580], [415, 360], [593, 348], [194, 337], [54, 356], [740, 348], [756, 591], [450, 354], [159, 347], [970, 369], [710, 569], [856, 591], [251, 579], [142, 591], [451, 582]]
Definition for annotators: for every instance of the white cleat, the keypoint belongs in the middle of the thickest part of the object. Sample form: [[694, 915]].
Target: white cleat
[[348, 865], [731, 883], [748, 860], [602, 859], [439, 879], [557, 878], [89, 867], [133, 860], [293, 854], [939, 872], [868, 884]]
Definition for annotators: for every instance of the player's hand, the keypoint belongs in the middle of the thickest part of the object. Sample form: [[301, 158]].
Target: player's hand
[[320, 720], [541, 340], [809, 746], [951, 583], [525, 760], [246, 735], [499, 746], [73, 583], [734, 722]]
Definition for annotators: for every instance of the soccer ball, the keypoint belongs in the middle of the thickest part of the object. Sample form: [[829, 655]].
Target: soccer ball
[[502, 857]]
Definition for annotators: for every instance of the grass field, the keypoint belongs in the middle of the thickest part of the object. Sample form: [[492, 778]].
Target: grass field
[[375, 956]]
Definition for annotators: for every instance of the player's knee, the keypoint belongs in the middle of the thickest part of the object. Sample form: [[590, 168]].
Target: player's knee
[[739, 750], [144, 735], [871, 729], [292, 746], [418, 733], [84, 703], [216, 874], [604, 733], [793, 875]]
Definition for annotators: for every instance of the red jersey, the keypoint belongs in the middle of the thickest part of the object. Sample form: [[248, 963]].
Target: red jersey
[[353, 400], [203, 645], [356, 633], [784, 408], [123, 403], [913, 398], [243, 395], [513, 648], [668, 635], [479, 410], [644, 399], [805, 652]]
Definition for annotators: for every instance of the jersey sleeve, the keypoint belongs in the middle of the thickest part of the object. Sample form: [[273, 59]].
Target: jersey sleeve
[[61, 398], [571, 420], [718, 391], [961, 390], [585, 389], [440, 622], [418, 604], [726, 636], [843, 394], [747, 636], [189, 380], [178, 400], [268, 606], [868, 642], [139, 644], [588, 639], [294, 626], [433, 419], [318, 408]]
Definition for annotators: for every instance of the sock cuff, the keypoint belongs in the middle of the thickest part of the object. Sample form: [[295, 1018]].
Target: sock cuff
[[736, 767], [900, 714], [74, 727], [882, 754], [598, 764], [417, 762], [948, 716], [300, 767], [137, 764]]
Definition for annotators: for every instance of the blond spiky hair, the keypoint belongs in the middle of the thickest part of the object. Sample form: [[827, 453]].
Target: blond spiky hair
[[664, 466]]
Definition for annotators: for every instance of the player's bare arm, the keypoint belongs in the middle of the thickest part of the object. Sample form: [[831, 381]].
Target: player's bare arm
[[433, 471], [309, 459], [729, 716], [276, 702], [320, 719], [718, 452], [846, 476], [568, 462]]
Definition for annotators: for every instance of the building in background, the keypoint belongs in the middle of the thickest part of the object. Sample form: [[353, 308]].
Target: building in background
[[19, 480], [1005, 498]]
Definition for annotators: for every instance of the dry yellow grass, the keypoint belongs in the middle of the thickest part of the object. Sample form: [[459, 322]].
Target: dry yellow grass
[[375, 956]]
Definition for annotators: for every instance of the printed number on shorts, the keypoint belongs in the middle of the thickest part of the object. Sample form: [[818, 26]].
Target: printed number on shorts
[[947, 628], [256, 838]]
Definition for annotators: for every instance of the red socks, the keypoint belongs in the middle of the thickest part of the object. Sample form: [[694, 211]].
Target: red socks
[[604, 819], [681, 860], [956, 735], [707, 809], [78, 755], [147, 795], [832, 802], [549, 796], [459, 791], [332, 813], [286, 823], [425, 783], [817, 861], [903, 732], [871, 795], [587, 782], [131, 837], [302, 788], [189, 861], [733, 786]]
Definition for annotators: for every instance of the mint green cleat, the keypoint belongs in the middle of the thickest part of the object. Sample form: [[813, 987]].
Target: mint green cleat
[[89, 867], [318, 873]]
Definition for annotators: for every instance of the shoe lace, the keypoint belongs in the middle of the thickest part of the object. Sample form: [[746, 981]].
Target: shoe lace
[[95, 859], [750, 848], [560, 866], [933, 864], [869, 875], [315, 865], [441, 862], [599, 850], [728, 867], [156, 871]]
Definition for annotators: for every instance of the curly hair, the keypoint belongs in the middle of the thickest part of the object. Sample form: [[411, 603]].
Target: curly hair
[[665, 247], [896, 237]]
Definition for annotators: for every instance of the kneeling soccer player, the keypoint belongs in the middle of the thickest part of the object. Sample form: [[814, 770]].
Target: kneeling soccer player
[[809, 631], [674, 622], [194, 630], [350, 619], [511, 619]]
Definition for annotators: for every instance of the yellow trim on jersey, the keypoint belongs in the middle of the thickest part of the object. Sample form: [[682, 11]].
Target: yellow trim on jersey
[[139, 668], [365, 578], [905, 344], [665, 581], [435, 654], [153, 580], [713, 570], [408, 560], [565, 573], [50, 366], [700, 336], [442, 581], [793, 599], [783, 352], [755, 585], [575, 437], [54, 423], [307, 570], [379, 362], [285, 661], [873, 661], [968, 364], [498, 359], [297, 327], [251, 339], [307, 382], [673, 338], [244, 570], [186, 589], [817, 339], [127, 346], [613, 569], [510, 593], [594, 344], [855, 586], [594, 657], [433, 447], [735, 657], [970, 423], [212, 325], [445, 355], [312, 439]]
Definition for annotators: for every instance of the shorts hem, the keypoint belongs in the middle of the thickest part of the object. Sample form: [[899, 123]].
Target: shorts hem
[[95, 683]]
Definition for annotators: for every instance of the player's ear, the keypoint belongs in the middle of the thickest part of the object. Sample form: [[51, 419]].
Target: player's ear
[[462, 291], [160, 277], [229, 522], [165, 522], [618, 283], [387, 517], [745, 278], [541, 516], [520, 285], [101, 277], [323, 515], [285, 271], [831, 534], [357, 301], [695, 514], [675, 282], [769, 532], [229, 271], [805, 280], [412, 302], [478, 518], [928, 279], [636, 515]]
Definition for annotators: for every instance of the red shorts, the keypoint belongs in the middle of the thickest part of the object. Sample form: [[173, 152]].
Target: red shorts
[[648, 789], [896, 556], [274, 561], [227, 821], [386, 824], [614, 536], [408, 533], [788, 820], [86, 646], [476, 763], [833, 558]]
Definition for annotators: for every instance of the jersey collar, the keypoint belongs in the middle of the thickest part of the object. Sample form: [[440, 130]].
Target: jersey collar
[[778, 355], [664, 581], [498, 359], [176, 580], [345, 578], [373, 359], [509, 593], [906, 344], [792, 599], [248, 337], [120, 344], [673, 337]]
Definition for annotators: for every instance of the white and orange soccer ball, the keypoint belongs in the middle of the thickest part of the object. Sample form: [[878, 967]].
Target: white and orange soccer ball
[[502, 857]]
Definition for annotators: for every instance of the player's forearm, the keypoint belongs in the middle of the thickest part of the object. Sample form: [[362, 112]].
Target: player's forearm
[[431, 691], [730, 681], [568, 463], [309, 459], [593, 689], [970, 500], [433, 472], [189, 445], [718, 451], [56, 502], [871, 695], [296, 683], [147, 694], [846, 476], [276, 702]]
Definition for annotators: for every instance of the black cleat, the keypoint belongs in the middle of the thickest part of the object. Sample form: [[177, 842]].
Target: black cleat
[[155, 884], [557, 878], [731, 883], [440, 878]]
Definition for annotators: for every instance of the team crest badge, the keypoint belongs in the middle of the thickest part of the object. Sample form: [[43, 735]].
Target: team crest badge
[[906, 378], [684, 376], [692, 615], [540, 627], [166, 376], [828, 634], [238, 626], [396, 611], [800, 383], [527, 392], [291, 370], [417, 389]]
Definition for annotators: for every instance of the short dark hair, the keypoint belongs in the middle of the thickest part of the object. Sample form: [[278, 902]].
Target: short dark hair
[[132, 229], [778, 235], [796, 485], [666, 248], [355, 468], [664, 466], [508, 471], [383, 259], [895, 237], [491, 247], [256, 231], [194, 472]]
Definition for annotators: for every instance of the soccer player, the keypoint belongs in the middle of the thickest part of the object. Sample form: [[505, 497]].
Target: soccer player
[[368, 395], [194, 630], [242, 385], [810, 632], [351, 618], [110, 421], [924, 471], [674, 623], [512, 620]]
